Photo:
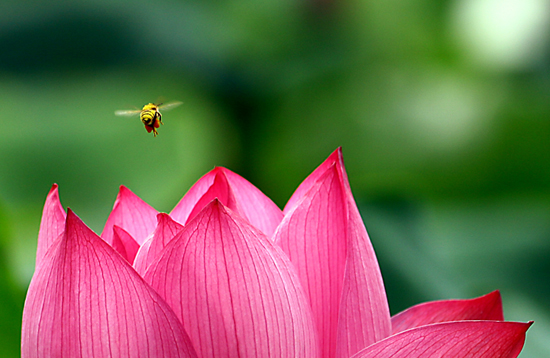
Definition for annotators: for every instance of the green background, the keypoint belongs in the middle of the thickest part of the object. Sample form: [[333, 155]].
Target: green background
[[442, 109]]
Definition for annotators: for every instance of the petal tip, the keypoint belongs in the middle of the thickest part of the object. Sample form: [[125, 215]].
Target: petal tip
[[54, 192], [215, 203], [71, 217], [162, 216], [71, 221], [494, 296], [337, 154], [118, 229], [123, 189]]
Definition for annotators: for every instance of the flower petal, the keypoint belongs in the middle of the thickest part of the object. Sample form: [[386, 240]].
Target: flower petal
[[52, 224], [487, 307], [132, 214], [221, 190], [464, 339], [124, 244], [325, 238], [86, 301], [312, 178], [233, 289], [255, 206], [314, 237], [165, 231], [185, 206], [364, 311], [236, 193]]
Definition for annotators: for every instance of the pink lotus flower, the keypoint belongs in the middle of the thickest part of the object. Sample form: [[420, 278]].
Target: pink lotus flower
[[228, 274]]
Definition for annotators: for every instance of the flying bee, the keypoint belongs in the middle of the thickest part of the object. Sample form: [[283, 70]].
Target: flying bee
[[150, 115]]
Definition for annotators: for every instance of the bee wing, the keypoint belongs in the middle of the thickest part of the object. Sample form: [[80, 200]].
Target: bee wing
[[131, 112], [170, 105]]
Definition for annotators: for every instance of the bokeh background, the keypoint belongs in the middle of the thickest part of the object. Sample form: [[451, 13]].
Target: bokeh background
[[442, 108]]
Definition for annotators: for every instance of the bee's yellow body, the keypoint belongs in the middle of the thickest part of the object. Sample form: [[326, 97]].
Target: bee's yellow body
[[151, 118], [150, 115]]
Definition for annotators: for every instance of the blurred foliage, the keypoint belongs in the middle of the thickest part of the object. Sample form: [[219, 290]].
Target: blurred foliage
[[441, 107], [11, 296]]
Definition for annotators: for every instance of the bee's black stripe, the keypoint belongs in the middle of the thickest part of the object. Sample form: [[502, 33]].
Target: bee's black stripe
[[148, 116]]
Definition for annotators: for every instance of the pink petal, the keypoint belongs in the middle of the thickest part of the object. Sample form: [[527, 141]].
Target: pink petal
[[234, 192], [133, 215], [52, 224], [464, 339], [183, 209], [165, 231], [86, 301], [255, 206], [488, 307], [325, 238], [221, 190], [124, 244], [312, 178], [364, 311], [314, 237], [233, 289]]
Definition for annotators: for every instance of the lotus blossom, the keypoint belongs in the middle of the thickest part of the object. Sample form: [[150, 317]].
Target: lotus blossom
[[228, 274]]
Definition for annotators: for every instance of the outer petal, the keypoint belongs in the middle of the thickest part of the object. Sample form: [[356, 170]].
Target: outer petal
[[183, 209], [234, 192], [315, 239], [364, 311], [304, 187], [326, 241], [86, 301], [221, 190], [464, 339], [488, 307], [233, 289], [165, 231], [124, 244], [132, 214], [255, 206], [52, 224]]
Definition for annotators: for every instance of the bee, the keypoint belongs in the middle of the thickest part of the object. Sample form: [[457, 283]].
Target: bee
[[150, 115]]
